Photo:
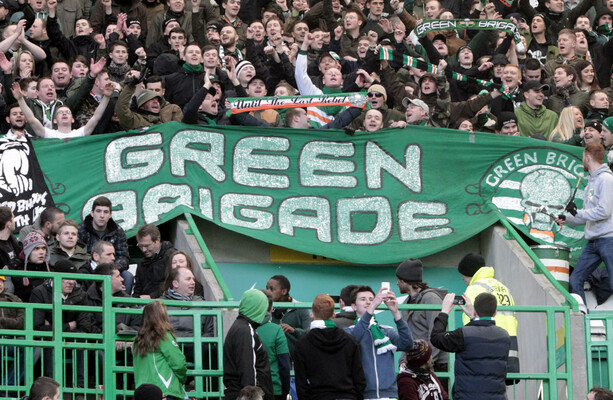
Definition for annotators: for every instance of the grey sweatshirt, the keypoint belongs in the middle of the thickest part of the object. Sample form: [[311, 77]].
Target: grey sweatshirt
[[597, 211]]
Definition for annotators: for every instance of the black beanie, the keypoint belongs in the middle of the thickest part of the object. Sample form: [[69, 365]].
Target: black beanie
[[410, 270], [147, 391], [470, 264]]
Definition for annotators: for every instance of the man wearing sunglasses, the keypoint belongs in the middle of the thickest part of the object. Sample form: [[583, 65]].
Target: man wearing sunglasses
[[377, 99]]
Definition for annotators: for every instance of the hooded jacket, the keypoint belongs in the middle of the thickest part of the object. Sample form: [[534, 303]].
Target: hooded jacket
[[379, 369], [275, 343], [531, 121], [129, 119], [245, 359], [597, 211], [182, 85], [421, 322], [328, 366]]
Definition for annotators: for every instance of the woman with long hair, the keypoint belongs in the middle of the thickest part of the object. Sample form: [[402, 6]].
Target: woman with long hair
[[586, 77], [181, 259], [24, 65], [570, 123], [157, 357]]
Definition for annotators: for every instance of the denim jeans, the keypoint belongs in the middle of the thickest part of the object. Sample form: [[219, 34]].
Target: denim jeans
[[128, 281], [596, 251]]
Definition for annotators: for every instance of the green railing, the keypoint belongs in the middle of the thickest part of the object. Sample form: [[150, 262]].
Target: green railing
[[210, 263], [104, 372], [540, 268], [599, 349], [109, 373]]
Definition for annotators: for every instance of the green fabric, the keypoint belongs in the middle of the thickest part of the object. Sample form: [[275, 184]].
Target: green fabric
[[300, 320], [504, 25], [380, 340], [369, 199], [164, 368], [192, 68], [253, 305], [274, 341], [322, 324]]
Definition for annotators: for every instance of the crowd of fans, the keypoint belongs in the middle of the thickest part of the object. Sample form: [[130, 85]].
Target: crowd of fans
[[73, 68]]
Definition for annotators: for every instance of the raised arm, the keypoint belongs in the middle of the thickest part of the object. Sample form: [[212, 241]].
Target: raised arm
[[35, 124], [6, 44], [91, 124]]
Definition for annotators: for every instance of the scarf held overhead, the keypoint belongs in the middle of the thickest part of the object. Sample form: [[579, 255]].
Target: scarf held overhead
[[248, 104], [504, 25], [388, 55]]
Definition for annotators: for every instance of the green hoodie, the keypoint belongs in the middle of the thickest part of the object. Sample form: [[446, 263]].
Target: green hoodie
[[254, 305]]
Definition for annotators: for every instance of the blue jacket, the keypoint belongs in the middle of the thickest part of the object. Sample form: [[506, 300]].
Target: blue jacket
[[379, 369]]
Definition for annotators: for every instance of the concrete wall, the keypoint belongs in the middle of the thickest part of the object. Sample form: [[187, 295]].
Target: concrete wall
[[212, 290], [514, 268]]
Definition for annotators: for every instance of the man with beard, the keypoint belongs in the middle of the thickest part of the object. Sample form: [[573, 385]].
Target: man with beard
[[17, 123]]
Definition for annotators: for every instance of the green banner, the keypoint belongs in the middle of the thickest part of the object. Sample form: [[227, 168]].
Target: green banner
[[371, 198]]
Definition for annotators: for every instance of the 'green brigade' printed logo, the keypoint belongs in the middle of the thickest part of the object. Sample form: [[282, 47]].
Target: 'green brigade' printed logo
[[531, 187]]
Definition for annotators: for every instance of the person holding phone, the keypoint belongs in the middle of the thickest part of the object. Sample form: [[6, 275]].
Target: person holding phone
[[378, 342], [482, 348]]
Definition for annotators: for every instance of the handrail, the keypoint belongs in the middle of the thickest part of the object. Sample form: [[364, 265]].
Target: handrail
[[537, 262], [105, 342], [209, 259], [607, 319]]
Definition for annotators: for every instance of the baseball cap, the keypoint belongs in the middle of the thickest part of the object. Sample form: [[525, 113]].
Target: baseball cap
[[535, 85], [416, 102]]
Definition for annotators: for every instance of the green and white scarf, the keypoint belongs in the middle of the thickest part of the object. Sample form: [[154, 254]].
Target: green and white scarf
[[504, 25], [322, 324], [382, 343], [389, 55]]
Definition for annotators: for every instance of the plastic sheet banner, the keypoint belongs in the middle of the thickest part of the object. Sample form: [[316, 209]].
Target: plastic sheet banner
[[22, 184], [372, 198]]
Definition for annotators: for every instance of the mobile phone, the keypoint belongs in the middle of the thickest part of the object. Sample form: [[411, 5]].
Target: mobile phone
[[386, 286], [459, 300], [336, 298]]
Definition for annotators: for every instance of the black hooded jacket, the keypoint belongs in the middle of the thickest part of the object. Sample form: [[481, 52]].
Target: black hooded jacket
[[328, 366]]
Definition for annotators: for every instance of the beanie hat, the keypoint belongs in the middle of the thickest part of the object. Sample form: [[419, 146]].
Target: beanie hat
[[410, 270], [65, 266], [419, 354], [34, 238], [147, 391], [470, 264], [594, 124], [378, 89], [241, 65], [168, 21], [608, 123]]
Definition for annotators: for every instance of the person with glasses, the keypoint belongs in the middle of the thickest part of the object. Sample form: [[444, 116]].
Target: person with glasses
[[377, 99], [151, 270]]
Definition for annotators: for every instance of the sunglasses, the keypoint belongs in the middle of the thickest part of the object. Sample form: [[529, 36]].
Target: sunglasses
[[374, 94]]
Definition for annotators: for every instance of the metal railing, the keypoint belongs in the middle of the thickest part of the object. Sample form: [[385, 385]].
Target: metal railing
[[599, 350], [109, 373]]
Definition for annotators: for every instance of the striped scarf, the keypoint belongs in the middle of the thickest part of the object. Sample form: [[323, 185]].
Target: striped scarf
[[389, 55], [382, 343]]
